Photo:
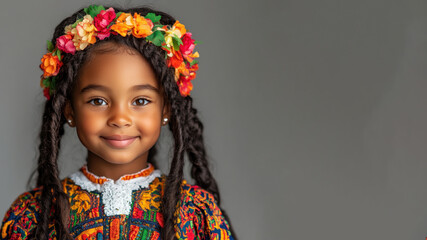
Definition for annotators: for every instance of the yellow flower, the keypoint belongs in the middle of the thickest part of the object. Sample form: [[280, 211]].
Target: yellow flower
[[124, 23], [84, 33], [177, 30], [68, 29]]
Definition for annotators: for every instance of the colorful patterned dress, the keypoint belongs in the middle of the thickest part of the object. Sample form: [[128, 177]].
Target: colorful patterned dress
[[128, 208]]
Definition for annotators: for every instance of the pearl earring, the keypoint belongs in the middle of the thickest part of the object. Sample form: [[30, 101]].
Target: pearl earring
[[69, 121], [165, 120]]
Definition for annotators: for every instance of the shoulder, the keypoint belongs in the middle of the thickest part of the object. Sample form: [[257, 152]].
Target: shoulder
[[23, 214], [200, 217], [21, 217]]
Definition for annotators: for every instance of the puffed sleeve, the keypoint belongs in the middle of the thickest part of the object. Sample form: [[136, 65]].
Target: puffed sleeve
[[200, 217], [21, 218]]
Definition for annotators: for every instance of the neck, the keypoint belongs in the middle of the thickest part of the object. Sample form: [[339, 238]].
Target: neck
[[101, 167]]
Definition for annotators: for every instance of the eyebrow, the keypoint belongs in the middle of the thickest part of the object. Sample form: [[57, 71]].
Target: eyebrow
[[106, 89]]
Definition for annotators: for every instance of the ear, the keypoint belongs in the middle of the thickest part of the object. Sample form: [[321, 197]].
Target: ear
[[69, 113]]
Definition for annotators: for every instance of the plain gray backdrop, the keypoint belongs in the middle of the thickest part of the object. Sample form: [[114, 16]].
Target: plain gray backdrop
[[314, 111]]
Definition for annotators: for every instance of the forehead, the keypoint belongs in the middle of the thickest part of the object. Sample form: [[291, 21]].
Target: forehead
[[118, 70]]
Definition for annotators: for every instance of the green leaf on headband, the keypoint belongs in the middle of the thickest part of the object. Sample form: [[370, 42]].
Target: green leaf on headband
[[157, 26], [193, 62], [117, 16], [153, 17], [46, 82], [50, 46], [93, 10], [197, 42], [53, 83], [77, 22], [176, 41], [157, 38], [58, 53]]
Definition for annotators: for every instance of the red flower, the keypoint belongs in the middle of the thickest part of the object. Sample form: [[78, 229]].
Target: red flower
[[175, 60], [188, 45], [65, 44], [46, 93], [101, 22], [185, 86]]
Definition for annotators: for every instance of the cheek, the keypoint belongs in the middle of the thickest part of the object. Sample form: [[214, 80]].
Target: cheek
[[148, 123], [90, 123]]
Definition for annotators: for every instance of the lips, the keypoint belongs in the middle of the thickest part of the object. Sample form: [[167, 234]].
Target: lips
[[119, 141]]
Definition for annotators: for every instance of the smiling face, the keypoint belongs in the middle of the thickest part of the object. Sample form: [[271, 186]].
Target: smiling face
[[117, 109]]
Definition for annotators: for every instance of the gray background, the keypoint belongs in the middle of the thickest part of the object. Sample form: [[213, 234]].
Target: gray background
[[314, 111]]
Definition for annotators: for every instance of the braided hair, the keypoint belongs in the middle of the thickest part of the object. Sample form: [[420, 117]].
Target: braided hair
[[185, 125]]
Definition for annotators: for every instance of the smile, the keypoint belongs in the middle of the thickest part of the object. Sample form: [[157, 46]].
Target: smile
[[119, 143]]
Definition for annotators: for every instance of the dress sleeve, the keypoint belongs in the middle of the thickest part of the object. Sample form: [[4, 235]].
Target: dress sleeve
[[21, 218], [200, 217]]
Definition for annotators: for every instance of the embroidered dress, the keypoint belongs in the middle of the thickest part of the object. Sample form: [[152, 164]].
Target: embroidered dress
[[128, 208]]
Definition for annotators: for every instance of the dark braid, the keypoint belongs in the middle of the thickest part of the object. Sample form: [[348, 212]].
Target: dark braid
[[54, 201], [53, 197], [186, 128]]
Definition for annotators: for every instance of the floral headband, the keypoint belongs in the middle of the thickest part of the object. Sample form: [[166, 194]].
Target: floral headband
[[99, 23]]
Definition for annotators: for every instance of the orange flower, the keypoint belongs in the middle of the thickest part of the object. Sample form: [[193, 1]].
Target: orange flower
[[142, 26], [181, 70], [124, 23], [50, 65], [180, 27]]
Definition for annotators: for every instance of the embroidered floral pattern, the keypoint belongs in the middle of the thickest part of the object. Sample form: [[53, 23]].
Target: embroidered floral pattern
[[199, 216]]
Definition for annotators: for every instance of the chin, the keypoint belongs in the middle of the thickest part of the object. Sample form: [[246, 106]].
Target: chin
[[117, 158]]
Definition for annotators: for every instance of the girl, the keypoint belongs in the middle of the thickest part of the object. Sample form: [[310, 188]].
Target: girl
[[118, 76]]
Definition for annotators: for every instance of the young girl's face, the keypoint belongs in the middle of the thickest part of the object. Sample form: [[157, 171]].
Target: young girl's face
[[117, 108]]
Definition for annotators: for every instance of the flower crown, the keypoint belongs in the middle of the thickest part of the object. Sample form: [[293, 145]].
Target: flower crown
[[99, 23]]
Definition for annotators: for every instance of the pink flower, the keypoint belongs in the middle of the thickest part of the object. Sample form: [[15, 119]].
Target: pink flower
[[102, 20], [65, 44], [188, 45]]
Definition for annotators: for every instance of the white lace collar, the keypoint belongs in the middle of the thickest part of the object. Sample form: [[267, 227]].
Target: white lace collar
[[116, 195]]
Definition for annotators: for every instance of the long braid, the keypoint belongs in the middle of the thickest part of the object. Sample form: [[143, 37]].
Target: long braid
[[174, 179], [200, 171], [53, 195], [196, 152]]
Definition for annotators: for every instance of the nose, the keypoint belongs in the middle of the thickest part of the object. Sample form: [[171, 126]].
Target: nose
[[119, 117]]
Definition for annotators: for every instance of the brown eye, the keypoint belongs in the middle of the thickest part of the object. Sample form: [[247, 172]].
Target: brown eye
[[141, 101], [96, 101]]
